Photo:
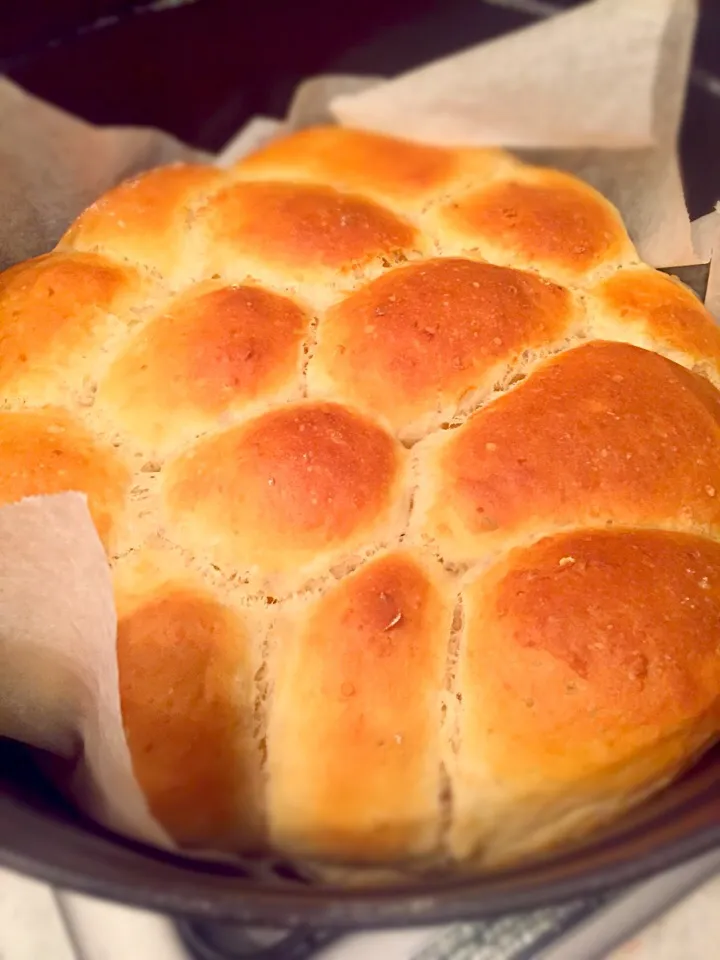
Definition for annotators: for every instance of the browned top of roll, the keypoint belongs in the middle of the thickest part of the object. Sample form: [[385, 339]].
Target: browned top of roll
[[213, 351], [299, 228], [359, 674], [660, 309], [144, 220], [47, 451], [539, 217], [55, 311], [430, 334], [286, 488], [606, 432], [573, 672], [370, 163], [185, 667]]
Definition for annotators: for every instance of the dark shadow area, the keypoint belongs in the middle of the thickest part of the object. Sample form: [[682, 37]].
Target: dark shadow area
[[200, 69]]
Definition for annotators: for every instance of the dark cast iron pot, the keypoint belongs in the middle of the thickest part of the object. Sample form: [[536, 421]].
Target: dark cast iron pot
[[41, 835]]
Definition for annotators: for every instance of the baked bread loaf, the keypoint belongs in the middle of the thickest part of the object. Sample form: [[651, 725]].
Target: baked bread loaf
[[409, 475]]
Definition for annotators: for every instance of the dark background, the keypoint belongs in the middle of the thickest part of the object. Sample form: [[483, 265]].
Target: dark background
[[201, 68]]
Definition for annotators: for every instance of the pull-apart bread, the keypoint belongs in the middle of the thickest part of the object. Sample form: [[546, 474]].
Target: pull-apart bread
[[408, 471]]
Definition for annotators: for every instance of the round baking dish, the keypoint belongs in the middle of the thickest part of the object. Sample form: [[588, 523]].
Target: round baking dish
[[41, 836]]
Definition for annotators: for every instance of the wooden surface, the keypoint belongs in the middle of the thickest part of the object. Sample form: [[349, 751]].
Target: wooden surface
[[200, 68]]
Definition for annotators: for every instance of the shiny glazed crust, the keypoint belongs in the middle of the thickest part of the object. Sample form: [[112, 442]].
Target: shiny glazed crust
[[409, 475]]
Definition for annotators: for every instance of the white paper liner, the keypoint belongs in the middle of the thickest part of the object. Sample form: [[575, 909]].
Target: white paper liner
[[516, 90], [59, 677], [53, 165], [598, 92], [58, 668]]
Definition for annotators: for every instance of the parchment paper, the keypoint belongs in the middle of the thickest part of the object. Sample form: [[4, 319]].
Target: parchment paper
[[59, 679], [53, 165], [598, 91]]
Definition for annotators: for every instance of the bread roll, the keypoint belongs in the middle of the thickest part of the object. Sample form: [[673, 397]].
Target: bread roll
[[408, 471]]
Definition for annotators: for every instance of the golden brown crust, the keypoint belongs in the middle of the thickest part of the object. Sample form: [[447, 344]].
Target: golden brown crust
[[353, 741], [372, 164], [539, 218], [286, 489], [214, 351], [185, 671], [55, 310], [301, 228], [47, 451], [658, 309], [584, 440], [144, 219], [423, 338], [588, 663]]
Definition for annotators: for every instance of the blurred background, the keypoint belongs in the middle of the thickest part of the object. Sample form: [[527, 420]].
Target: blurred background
[[201, 68]]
